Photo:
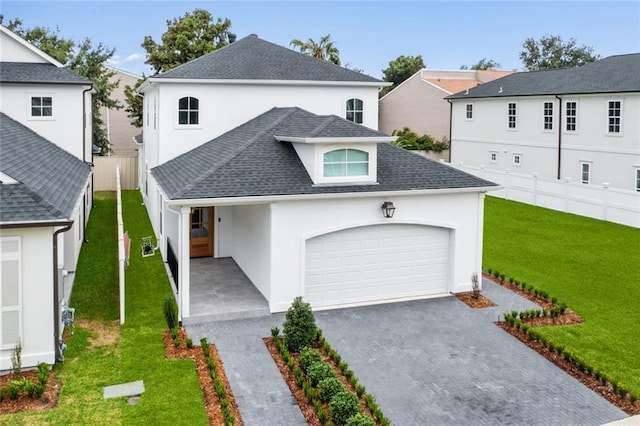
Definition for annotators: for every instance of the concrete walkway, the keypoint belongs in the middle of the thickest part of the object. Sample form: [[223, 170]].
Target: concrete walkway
[[431, 361]]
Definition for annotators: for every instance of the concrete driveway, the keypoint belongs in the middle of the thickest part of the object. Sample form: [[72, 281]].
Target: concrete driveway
[[427, 362]]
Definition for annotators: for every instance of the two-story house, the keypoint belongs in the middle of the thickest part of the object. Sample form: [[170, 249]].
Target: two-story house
[[45, 195], [273, 158], [579, 123]]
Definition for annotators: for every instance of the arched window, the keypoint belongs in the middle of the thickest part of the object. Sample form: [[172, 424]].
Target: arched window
[[188, 110], [354, 110], [346, 162]]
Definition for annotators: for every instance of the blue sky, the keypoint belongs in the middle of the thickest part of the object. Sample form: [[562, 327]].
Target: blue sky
[[368, 34]]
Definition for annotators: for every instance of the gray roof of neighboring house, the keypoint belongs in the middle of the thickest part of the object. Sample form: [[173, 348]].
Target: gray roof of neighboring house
[[27, 72], [613, 74], [248, 161], [50, 180], [252, 58]]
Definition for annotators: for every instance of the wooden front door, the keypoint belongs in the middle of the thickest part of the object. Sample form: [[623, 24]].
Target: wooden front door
[[201, 232]]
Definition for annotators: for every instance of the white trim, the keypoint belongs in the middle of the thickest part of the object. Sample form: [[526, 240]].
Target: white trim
[[150, 81], [30, 46], [333, 140], [7, 180], [588, 164]]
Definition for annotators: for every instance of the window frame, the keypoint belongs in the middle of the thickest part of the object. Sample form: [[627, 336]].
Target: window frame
[[512, 118], [468, 111], [517, 159], [573, 116], [6, 256], [547, 116], [637, 170], [586, 181], [30, 107], [491, 155], [346, 163], [354, 110], [614, 117], [189, 110]]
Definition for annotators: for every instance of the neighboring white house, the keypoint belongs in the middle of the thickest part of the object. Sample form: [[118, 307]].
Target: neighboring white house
[[273, 158], [45, 195], [580, 123], [419, 102]]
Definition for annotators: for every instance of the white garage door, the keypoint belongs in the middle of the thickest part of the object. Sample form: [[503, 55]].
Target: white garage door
[[375, 263]]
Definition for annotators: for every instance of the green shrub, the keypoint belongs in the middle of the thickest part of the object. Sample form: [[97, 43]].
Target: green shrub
[[34, 390], [189, 342], [319, 371], [360, 420], [275, 331], [343, 405], [2, 391], [322, 415], [329, 387], [14, 388], [171, 312], [308, 356], [335, 356], [43, 373], [360, 389], [219, 388], [299, 325]]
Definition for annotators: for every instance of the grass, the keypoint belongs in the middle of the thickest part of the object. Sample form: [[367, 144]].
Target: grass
[[592, 265], [101, 353]]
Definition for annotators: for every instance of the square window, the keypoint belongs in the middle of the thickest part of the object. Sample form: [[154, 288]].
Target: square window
[[41, 106], [354, 110]]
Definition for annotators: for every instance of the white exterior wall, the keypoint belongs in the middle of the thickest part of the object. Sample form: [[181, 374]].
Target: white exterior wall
[[613, 157], [293, 222], [37, 297], [223, 107], [13, 51], [223, 228], [252, 244], [65, 128]]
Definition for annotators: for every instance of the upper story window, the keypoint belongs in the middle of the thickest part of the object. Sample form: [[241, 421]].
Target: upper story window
[[615, 116], [548, 115], [346, 162], [511, 114], [571, 116], [469, 111], [188, 110], [41, 106], [355, 110]]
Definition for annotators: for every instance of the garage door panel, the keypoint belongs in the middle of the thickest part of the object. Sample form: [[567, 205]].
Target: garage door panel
[[377, 262]]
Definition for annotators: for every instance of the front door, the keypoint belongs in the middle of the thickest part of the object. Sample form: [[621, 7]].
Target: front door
[[201, 232]]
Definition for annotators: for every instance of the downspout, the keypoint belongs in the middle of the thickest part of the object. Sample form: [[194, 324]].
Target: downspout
[[559, 134], [56, 295], [450, 127], [84, 158]]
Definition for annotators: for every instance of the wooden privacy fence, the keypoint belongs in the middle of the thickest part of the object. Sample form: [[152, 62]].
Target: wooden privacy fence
[[104, 172]]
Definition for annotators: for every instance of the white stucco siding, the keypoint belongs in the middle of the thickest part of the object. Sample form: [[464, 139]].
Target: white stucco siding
[[252, 244], [36, 267], [295, 222], [223, 107], [13, 51], [223, 227], [150, 128], [65, 128]]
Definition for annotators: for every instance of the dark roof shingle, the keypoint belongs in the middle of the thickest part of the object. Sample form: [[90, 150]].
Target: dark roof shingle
[[50, 180], [248, 161], [252, 58], [26, 72], [613, 74]]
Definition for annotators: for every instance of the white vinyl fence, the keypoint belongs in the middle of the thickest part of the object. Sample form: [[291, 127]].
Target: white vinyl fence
[[104, 172], [596, 201]]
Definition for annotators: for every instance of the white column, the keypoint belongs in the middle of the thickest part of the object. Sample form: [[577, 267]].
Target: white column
[[184, 269]]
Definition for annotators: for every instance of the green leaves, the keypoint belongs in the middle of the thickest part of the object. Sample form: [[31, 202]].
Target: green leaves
[[552, 52], [401, 69], [325, 49], [408, 139]]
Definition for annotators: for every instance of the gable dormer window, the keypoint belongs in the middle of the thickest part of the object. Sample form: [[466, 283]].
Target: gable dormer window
[[355, 110], [346, 162], [188, 110]]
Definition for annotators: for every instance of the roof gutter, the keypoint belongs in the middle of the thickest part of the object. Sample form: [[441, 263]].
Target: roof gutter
[[559, 135], [33, 224], [450, 126], [56, 306]]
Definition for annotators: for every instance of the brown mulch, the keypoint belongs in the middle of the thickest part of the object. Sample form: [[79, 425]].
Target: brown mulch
[[49, 398], [308, 410], [474, 302], [211, 402]]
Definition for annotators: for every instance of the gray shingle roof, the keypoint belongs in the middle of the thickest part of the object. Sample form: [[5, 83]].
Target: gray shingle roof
[[50, 180], [613, 74], [251, 58], [26, 72], [249, 161]]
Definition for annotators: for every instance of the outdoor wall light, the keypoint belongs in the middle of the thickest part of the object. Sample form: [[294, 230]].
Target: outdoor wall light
[[388, 209]]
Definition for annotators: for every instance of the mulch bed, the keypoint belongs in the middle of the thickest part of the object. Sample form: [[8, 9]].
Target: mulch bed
[[308, 411], [49, 398], [474, 302], [211, 402]]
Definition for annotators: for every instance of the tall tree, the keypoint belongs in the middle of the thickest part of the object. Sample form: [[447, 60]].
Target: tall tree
[[552, 52], [134, 102], [186, 38], [324, 50], [399, 70], [483, 64], [86, 60]]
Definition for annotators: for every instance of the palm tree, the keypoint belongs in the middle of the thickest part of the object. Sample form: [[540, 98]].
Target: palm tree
[[325, 50]]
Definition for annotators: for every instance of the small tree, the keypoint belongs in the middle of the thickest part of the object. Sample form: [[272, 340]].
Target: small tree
[[475, 286], [16, 359], [171, 312], [299, 325]]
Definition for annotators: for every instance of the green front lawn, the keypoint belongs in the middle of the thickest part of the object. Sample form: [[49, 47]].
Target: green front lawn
[[102, 353], [592, 265]]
